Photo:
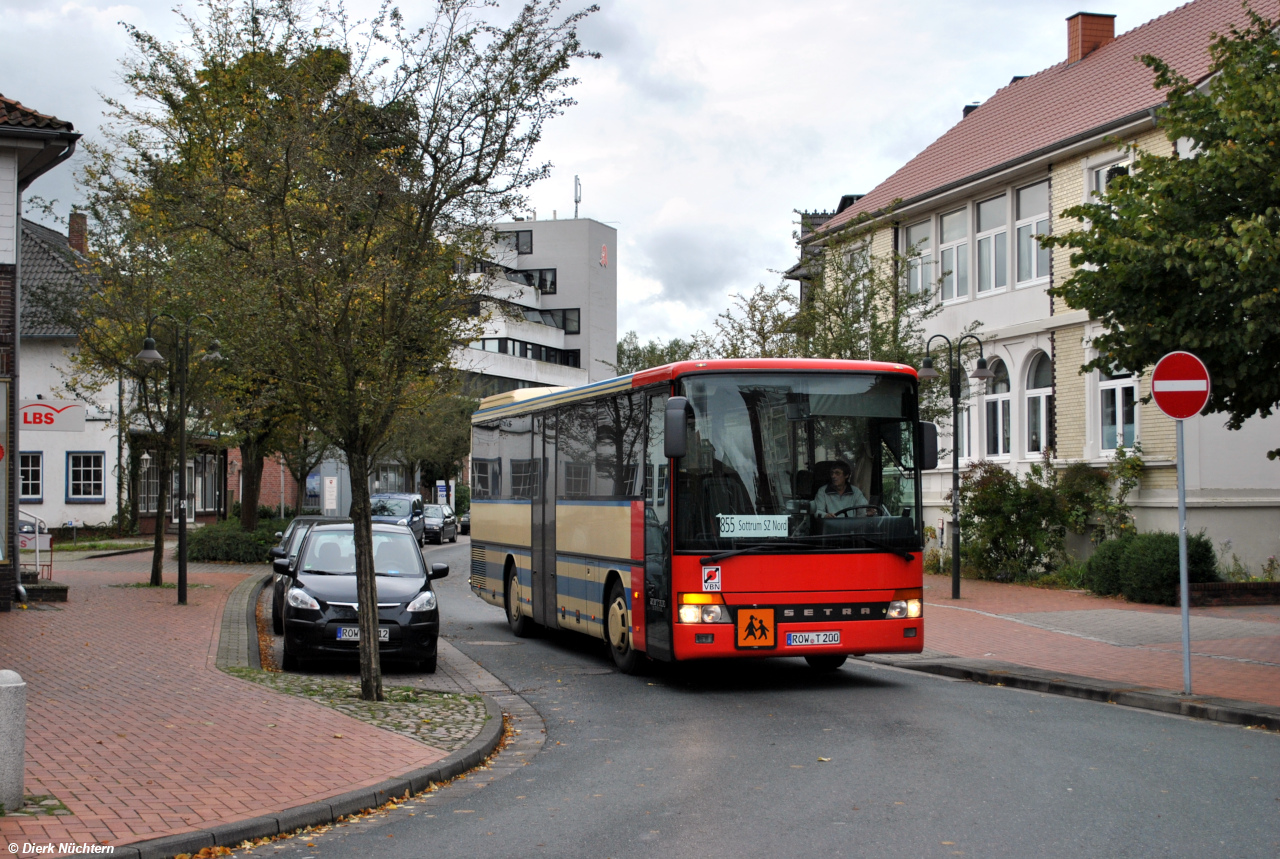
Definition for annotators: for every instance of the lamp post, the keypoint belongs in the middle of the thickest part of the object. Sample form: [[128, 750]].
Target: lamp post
[[981, 373], [150, 355]]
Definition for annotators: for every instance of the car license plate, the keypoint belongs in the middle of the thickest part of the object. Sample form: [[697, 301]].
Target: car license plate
[[352, 633], [803, 639]]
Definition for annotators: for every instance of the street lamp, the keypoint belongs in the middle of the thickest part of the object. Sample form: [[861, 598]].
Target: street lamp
[[981, 373], [150, 355]]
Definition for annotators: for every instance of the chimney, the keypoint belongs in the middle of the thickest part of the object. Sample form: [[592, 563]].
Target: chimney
[[1086, 32], [77, 233]]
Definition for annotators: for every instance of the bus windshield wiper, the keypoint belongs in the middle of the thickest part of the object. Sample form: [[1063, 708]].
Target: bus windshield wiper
[[757, 547]]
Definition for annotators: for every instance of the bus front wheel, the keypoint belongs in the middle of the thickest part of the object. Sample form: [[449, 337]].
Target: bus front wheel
[[521, 626], [615, 631], [826, 661]]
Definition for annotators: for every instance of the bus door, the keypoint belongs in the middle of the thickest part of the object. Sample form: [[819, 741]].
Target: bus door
[[543, 535], [657, 537]]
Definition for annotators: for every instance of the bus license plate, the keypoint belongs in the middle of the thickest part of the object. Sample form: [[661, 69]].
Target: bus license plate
[[801, 639], [352, 633]]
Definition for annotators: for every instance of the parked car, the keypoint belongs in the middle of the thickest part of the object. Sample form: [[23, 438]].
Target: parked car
[[282, 557], [464, 523], [399, 508], [320, 617], [439, 524]]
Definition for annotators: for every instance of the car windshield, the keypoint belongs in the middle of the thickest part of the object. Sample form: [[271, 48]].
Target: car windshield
[[814, 460], [433, 511], [300, 530], [391, 506], [334, 553]]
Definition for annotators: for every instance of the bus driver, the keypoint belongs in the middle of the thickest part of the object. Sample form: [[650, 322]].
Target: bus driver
[[838, 495]]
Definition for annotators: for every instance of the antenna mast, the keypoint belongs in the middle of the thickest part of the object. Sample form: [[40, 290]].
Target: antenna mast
[[577, 196]]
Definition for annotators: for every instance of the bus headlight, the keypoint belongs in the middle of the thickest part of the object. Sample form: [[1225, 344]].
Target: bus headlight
[[703, 608], [690, 614], [714, 614], [905, 608]]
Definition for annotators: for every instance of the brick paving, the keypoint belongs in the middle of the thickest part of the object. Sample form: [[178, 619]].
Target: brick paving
[[131, 725], [1108, 639]]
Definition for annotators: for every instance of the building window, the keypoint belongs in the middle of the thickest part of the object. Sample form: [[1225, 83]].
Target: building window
[[525, 477], [918, 242], [1033, 220], [1040, 405], [210, 487], [953, 254], [485, 482], [577, 479], [31, 477], [964, 428], [1100, 178], [993, 245], [85, 477], [541, 279], [999, 419], [521, 241], [1119, 392], [148, 488]]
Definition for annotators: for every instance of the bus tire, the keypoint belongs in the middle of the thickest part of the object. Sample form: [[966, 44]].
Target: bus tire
[[521, 626], [825, 662], [615, 631]]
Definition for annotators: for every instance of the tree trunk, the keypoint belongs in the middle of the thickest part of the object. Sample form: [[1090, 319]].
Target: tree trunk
[[251, 482], [162, 502], [358, 464]]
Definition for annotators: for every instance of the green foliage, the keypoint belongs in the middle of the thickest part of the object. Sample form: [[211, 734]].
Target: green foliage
[[1149, 567], [1069, 576], [227, 541], [1011, 529], [1095, 502], [1103, 570], [634, 356], [1184, 253], [462, 497]]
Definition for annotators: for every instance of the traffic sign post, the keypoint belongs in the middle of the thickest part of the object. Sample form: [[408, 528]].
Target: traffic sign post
[[1180, 386]]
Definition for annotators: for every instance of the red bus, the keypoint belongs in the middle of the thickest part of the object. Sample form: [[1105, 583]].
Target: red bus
[[720, 508]]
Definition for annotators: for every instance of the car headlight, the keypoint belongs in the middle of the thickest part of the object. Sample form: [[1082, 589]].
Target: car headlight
[[905, 608], [403, 522], [425, 601], [298, 598]]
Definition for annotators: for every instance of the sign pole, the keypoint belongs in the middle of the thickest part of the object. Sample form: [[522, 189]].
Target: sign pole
[[1182, 565]]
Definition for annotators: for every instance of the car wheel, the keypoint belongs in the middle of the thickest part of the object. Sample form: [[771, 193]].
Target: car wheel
[[521, 626], [615, 631], [290, 662], [427, 666], [454, 538], [277, 618], [825, 662]]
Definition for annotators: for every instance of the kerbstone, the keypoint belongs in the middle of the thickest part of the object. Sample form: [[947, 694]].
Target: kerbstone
[[13, 738]]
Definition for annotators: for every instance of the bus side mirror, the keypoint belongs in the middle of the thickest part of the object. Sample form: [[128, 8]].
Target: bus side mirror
[[674, 444], [928, 446]]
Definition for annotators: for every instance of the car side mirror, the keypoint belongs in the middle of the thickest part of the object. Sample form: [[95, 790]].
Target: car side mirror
[[279, 535], [439, 571], [928, 446], [281, 566], [275, 552], [674, 443]]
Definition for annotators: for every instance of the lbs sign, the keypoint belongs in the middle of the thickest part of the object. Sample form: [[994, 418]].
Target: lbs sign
[[52, 415]]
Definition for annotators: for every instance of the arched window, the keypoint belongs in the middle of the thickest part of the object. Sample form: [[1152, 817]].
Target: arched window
[[1040, 404], [999, 418]]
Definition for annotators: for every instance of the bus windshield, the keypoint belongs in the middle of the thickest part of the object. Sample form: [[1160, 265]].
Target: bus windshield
[[818, 461]]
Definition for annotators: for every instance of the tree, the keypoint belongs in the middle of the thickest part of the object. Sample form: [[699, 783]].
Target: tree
[[342, 173], [634, 356], [759, 325], [434, 441], [1184, 252]]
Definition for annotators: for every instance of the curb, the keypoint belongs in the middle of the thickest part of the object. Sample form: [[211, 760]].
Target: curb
[[1073, 686], [329, 810]]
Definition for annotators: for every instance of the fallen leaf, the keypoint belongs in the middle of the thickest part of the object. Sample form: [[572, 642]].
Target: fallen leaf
[[824, 760], [337, 736]]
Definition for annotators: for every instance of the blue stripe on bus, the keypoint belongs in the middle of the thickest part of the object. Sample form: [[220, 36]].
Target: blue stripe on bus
[[501, 501], [612, 502]]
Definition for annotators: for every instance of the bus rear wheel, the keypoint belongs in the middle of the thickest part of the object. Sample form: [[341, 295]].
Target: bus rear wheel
[[521, 626], [826, 661], [615, 631]]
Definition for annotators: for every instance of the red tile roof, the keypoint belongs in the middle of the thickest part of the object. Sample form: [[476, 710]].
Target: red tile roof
[[1063, 101], [13, 113]]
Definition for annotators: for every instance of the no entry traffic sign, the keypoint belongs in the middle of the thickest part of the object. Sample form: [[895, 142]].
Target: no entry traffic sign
[[1180, 385]]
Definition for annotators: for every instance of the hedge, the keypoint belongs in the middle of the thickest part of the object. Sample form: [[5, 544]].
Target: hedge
[[227, 541], [1144, 567]]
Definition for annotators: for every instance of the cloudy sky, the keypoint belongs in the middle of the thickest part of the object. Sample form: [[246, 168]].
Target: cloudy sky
[[705, 125]]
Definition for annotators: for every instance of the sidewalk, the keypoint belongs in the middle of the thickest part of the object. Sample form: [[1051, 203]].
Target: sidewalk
[[1089, 645], [131, 725]]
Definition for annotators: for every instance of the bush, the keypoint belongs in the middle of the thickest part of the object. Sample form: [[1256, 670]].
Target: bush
[[1149, 569], [227, 541], [462, 495], [1103, 571], [1010, 529]]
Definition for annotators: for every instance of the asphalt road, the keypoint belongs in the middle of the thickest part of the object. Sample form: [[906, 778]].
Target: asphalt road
[[766, 758]]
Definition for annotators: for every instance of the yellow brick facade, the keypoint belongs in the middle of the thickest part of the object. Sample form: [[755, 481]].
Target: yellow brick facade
[[1069, 384]]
